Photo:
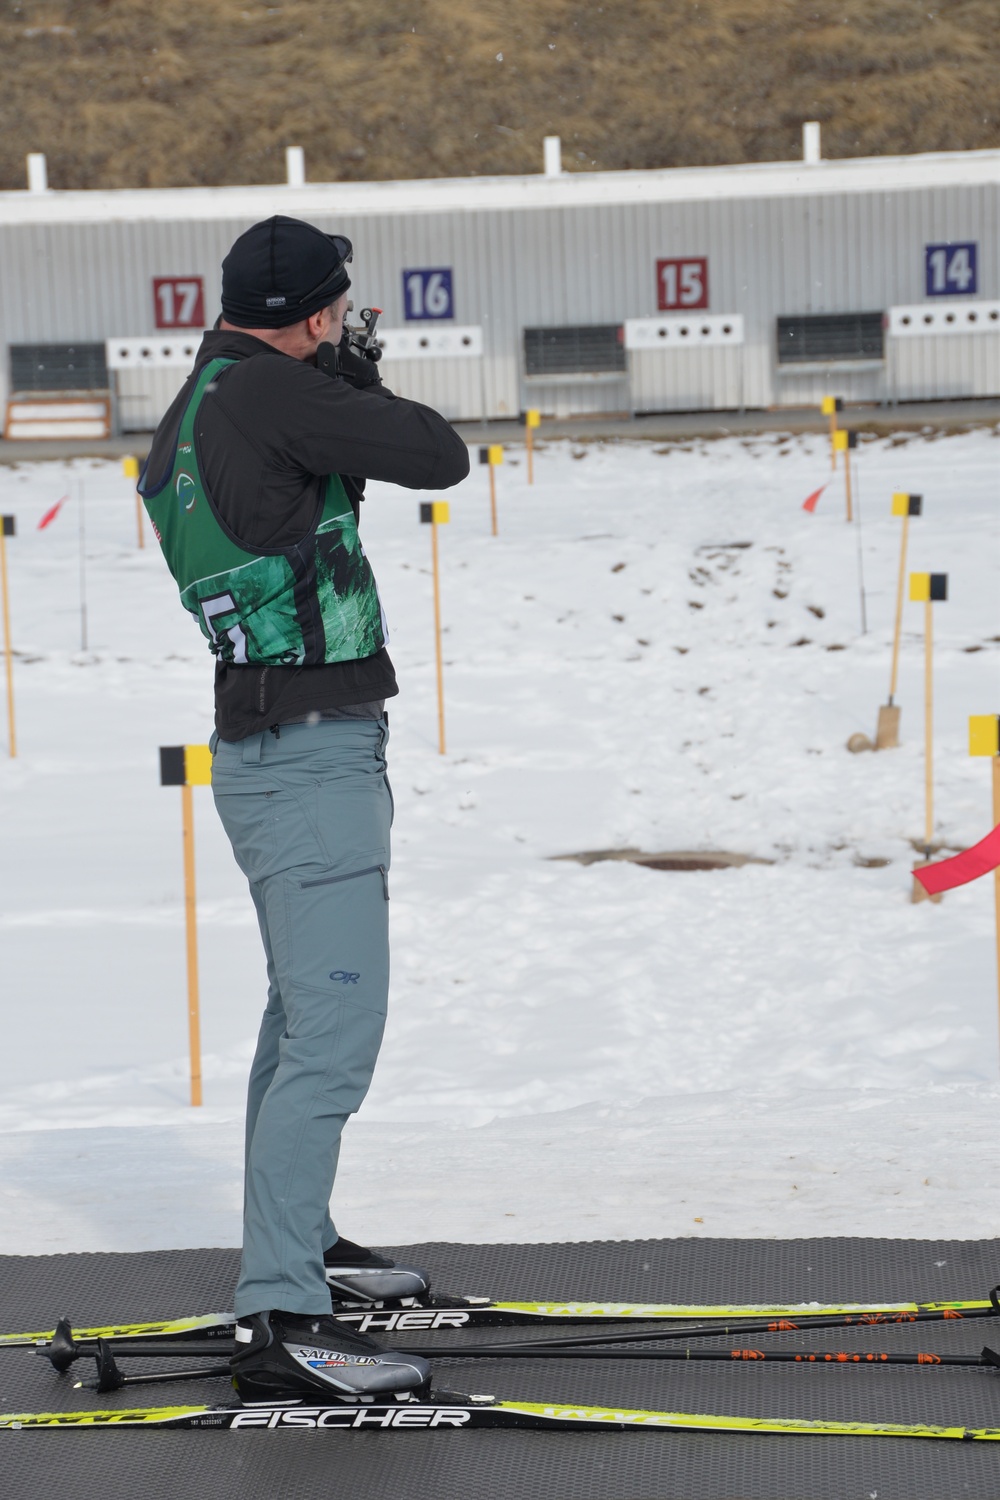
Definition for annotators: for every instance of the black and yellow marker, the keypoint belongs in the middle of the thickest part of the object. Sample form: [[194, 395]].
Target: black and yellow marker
[[493, 456], [887, 733], [187, 766], [435, 513], [8, 527], [830, 406], [984, 740], [845, 442], [928, 589], [532, 419]]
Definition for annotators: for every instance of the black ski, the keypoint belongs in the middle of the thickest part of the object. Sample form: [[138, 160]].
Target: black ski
[[447, 1413]]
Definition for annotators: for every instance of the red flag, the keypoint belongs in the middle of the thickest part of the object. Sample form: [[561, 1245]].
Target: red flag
[[811, 503], [961, 868], [50, 515]]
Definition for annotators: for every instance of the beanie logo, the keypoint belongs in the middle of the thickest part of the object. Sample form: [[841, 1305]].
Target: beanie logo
[[275, 301]]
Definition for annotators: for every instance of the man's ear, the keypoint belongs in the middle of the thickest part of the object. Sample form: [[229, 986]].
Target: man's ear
[[314, 324]]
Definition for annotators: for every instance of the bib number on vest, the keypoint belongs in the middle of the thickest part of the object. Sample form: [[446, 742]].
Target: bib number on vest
[[224, 604]]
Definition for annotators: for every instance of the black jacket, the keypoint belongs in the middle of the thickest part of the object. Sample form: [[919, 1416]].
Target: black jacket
[[275, 426]]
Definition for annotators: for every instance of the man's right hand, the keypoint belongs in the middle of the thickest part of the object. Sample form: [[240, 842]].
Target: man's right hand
[[343, 361]]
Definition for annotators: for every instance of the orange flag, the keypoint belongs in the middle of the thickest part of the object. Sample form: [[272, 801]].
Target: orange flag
[[50, 515], [811, 503], [945, 874]]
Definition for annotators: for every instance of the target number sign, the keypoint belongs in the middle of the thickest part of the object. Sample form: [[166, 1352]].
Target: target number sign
[[427, 294], [950, 269], [179, 301], [682, 284]]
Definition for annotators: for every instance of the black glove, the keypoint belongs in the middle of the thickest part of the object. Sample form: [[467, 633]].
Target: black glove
[[344, 360]]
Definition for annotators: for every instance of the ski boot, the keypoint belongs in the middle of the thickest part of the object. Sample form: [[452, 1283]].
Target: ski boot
[[359, 1277], [282, 1356]]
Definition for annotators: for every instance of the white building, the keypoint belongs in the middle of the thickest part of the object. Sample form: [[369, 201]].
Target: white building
[[700, 288]]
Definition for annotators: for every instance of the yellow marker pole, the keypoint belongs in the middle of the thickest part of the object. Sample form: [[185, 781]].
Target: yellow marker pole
[[437, 513], [897, 629], [928, 724], [887, 733], [829, 406], [7, 528], [532, 419], [187, 766], [191, 931], [492, 455], [984, 739], [929, 589], [996, 873], [844, 441], [130, 468]]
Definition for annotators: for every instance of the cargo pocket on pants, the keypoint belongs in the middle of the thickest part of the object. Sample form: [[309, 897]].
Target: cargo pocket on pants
[[380, 869]]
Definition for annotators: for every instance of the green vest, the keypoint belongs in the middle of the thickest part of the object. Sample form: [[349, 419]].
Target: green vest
[[300, 606]]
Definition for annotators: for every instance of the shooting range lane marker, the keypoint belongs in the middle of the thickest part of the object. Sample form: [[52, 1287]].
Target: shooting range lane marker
[[8, 527], [946, 874], [532, 419], [844, 442], [829, 406], [493, 455], [187, 766], [928, 588], [887, 733], [130, 468], [984, 739], [437, 513]]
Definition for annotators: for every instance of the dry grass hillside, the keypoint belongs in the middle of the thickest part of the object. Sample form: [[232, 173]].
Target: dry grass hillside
[[125, 93]]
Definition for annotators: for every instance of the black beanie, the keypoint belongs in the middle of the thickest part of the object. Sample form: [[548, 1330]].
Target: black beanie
[[281, 271]]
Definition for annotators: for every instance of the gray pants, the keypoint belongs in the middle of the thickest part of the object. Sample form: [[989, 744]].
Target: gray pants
[[308, 815]]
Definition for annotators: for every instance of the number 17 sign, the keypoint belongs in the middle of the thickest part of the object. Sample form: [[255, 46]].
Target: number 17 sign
[[179, 301]]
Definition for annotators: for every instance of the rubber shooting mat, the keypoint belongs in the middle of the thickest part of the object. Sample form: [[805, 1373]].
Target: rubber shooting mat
[[631, 1465]]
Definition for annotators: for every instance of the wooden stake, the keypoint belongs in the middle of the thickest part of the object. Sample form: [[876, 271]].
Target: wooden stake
[[996, 873], [191, 925], [437, 629], [493, 498], [847, 482], [833, 441], [899, 607], [928, 725], [7, 648]]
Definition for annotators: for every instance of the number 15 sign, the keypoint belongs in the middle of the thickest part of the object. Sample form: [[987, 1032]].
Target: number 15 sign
[[682, 284], [179, 301]]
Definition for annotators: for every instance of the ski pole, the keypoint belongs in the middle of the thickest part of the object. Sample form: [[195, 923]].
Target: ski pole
[[780, 1325], [110, 1378], [113, 1380], [988, 1357]]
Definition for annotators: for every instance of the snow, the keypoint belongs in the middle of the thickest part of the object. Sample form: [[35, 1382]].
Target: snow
[[574, 1052]]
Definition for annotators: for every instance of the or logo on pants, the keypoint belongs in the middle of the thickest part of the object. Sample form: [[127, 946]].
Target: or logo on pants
[[344, 976]]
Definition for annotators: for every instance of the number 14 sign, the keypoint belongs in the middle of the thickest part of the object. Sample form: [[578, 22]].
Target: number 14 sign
[[682, 285]]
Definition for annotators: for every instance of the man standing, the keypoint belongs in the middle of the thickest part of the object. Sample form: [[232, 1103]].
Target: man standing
[[253, 485]]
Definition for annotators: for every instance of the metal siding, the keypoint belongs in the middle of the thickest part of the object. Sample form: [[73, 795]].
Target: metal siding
[[562, 263]]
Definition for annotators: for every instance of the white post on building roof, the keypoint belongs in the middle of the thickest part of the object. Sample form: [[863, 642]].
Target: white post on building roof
[[38, 176], [810, 143], [295, 166], [553, 156]]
